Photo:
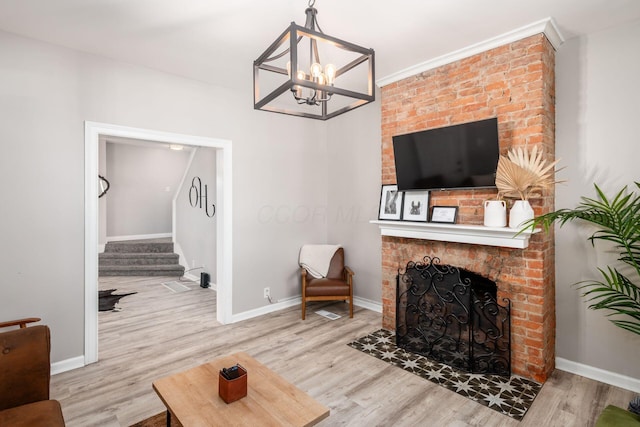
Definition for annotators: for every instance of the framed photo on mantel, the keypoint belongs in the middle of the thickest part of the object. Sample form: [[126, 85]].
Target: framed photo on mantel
[[444, 214], [415, 206], [390, 202]]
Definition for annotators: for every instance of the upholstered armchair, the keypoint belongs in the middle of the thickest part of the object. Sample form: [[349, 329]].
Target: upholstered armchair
[[25, 370], [337, 285]]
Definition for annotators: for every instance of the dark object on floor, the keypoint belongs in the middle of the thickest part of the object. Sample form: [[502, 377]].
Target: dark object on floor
[[107, 301], [510, 396], [612, 416], [25, 371], [205, 279], [634, 405]]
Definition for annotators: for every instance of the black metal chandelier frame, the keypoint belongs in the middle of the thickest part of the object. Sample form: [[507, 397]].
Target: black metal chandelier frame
[[321, 93]]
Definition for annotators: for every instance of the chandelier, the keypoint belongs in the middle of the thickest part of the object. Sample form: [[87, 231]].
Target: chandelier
[[310, 74]]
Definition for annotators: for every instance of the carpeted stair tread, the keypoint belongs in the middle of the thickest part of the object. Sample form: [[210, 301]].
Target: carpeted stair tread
[[138, 254], [141, 270], [122, 258], [137, 246], [143, 267]]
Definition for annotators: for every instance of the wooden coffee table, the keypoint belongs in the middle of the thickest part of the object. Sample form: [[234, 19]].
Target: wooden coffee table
[[192, 398]]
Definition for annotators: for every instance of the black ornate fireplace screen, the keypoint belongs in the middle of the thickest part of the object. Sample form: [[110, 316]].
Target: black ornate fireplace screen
[[452, 315]]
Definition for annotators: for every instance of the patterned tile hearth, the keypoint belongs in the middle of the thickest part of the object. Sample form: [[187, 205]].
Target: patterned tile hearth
[[510, 396]]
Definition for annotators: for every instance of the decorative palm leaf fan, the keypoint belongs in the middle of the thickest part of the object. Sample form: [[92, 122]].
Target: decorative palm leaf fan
[[521, 174]]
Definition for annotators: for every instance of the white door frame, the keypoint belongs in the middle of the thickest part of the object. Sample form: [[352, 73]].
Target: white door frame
[[92, 133]]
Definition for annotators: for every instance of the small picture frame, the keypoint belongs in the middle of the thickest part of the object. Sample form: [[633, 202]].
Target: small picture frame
[[444, 214], [415, 206], [390, 202]]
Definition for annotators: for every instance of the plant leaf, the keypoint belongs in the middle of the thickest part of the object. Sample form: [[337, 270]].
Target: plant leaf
[[618, 222]]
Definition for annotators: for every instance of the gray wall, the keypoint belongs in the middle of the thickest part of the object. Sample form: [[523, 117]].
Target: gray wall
[[195, 231], [597, 138], [144, 180], [353, 141], [47, 94], [281, 209]]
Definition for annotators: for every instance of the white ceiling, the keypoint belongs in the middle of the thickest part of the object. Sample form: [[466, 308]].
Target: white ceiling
[[216, 41]]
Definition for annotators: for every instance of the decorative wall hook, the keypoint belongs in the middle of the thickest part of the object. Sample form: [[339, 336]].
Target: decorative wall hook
[[103, 185], [196, 196]]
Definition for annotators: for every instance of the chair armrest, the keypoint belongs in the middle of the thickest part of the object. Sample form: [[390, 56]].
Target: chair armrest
[[348, 275], [303, 272], [21, 322]]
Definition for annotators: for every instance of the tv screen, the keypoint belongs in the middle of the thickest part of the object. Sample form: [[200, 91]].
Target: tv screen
[[453, 157]]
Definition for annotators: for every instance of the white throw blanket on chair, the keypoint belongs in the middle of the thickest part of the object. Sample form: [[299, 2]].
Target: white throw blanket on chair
[[317, 258]]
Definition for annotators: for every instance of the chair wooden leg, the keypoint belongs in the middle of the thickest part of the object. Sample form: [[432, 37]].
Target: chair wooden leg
[[304, 307], [351, 307]]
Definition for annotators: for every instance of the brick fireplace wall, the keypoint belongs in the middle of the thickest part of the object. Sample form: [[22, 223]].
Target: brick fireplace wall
[[516, 84]]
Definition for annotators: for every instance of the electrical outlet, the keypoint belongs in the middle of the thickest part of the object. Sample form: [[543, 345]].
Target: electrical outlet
[[267, 293]]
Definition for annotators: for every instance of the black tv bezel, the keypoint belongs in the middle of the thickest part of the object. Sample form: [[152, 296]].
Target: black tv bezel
[[479, 187]]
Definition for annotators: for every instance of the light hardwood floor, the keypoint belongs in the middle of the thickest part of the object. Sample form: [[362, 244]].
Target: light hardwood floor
[[159, 333]]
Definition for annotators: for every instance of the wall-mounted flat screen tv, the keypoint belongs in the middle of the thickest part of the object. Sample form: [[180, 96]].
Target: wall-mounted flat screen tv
[[452, 157]]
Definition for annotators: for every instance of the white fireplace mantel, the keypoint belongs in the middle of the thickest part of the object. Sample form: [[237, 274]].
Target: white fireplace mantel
[[460, 233]]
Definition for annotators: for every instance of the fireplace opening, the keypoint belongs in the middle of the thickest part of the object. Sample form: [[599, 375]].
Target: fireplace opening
[[452, 315]]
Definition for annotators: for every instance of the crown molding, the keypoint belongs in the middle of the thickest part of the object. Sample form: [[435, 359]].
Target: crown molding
[[545, 26]]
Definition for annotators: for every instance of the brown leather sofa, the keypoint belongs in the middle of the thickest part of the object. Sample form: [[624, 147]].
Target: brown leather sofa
[[337, 286], [25, 370]]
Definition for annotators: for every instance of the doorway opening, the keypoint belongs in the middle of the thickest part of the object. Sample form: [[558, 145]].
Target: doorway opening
[[93, 132]]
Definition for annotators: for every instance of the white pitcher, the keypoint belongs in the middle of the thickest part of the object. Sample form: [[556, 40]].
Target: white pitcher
[[495, 213], [520, 213]]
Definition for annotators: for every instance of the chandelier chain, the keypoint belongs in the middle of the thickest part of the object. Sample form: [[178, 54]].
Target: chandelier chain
[[311, 3]]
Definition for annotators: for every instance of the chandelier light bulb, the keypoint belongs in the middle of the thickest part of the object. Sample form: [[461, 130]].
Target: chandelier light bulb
[[330, 73], [300, 75], [316, 70]]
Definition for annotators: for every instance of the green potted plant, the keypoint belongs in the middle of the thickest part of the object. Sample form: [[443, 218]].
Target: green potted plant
[[618, 222]]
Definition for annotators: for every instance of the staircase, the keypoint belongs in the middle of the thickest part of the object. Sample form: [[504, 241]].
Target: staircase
[[152, 257]]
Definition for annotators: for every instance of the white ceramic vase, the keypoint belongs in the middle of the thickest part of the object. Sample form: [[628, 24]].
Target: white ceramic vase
[[520, 213], [495, 213]]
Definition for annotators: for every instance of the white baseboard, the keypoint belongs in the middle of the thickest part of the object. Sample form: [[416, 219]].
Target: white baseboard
[[280, 305], [293, 301], [598, 374], [368, 304], [139, 237], [67, 365]]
